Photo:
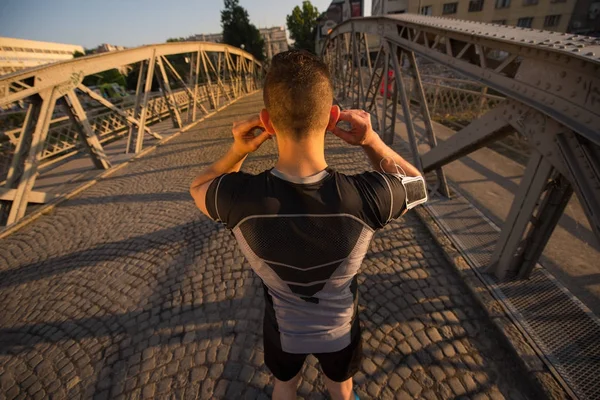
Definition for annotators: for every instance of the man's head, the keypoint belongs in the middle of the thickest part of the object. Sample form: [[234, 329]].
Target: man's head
[[298, 96]]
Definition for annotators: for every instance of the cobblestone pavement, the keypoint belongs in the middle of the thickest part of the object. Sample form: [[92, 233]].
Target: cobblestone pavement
[[127, 291]]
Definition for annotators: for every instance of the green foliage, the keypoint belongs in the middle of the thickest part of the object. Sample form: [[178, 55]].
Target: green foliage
[[110, 76], [301, 24], [132, 78], [238, 31], [78, 54], [179, 39]]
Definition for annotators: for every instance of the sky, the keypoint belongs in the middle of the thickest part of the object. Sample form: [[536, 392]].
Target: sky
[[130, 22]]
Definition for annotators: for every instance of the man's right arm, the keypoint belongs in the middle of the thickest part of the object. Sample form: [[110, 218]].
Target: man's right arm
[[404, 182]]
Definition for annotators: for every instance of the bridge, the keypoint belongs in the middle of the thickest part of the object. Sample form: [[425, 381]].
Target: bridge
[[113, 285]]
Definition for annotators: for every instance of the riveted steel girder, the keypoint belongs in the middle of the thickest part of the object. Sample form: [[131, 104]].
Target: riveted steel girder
[[552, 86]]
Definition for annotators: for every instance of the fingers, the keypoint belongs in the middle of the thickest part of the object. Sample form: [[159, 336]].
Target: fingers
[[342, 134], [349, 115], [260, 139], [247, 124]]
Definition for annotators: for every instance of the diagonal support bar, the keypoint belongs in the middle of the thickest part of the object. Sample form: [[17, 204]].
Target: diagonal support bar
[[477, 134], [163, 80], [138, 103], [530, 190], [25, 185], [86, 133], [548, 216], [441, 177], [139, 142], [582, 158], [117, 110], [408, 120], [185, 87]]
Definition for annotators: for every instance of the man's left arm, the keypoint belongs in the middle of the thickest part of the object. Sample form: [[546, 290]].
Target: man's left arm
[[244, 143]]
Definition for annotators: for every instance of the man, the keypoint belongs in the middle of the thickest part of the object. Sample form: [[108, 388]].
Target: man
[[303, 227]]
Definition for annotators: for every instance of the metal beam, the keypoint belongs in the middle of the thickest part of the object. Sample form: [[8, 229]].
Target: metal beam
[[138, 102], [532, 186], [163, 80], [185, 87], [213, 101], [86, 133], [32, 197], [582, 159], [408, 119], [72, 72], [441, 177], [117, 110], [25, 185], [139, 142], [546, 219], [477, 134]]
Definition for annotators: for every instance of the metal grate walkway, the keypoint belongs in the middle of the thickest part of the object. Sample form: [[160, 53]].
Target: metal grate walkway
[[565, 331]]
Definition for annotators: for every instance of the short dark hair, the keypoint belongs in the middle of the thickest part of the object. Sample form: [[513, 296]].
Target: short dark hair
[[298, 93]]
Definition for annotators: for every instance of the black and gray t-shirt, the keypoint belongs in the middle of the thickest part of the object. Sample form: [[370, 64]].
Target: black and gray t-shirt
[[306, 239]]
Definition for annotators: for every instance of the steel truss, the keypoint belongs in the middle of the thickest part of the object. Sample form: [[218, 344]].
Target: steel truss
[[206, 89], [552, 85]]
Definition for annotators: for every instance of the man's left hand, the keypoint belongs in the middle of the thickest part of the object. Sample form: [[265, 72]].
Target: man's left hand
[[245, 140]]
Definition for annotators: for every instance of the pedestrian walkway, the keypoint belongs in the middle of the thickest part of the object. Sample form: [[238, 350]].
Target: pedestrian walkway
[[127, 291]]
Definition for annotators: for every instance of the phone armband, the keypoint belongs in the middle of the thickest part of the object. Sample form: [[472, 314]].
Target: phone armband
[[415, 189]]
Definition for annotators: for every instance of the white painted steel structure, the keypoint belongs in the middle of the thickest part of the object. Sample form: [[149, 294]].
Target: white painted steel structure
[[218, 74]]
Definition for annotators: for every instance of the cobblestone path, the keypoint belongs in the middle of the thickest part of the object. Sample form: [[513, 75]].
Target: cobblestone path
[[127, 291]]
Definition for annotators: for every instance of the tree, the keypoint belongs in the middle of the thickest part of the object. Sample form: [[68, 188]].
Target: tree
[[302, 24], [238, 31]]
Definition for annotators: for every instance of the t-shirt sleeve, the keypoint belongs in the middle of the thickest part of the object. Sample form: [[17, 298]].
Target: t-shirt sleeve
[[383, 197], [222, 196]]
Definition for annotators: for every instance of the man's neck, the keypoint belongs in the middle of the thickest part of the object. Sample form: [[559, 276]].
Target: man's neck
[[301, 159]]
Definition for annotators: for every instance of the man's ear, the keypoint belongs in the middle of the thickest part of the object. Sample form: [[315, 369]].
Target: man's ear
[[334, 116], [265, 118]]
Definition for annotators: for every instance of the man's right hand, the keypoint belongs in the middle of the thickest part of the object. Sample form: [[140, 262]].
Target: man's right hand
[[361, 132]]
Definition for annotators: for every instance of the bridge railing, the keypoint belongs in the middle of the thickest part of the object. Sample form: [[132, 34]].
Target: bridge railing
[[492, 81], [453, 101], [546, 87], [64, 116]]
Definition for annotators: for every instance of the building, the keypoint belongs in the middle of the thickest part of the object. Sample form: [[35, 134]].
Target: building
[[107, 48], [381, 7], [337, 12], [586, 18], [551, 15], [17, 54], [275, 40], [207, 37]]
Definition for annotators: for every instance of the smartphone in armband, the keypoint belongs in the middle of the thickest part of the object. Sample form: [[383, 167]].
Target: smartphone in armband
[[415, 189]]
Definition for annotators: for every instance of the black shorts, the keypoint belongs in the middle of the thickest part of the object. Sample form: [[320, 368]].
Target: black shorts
[[338, 366]]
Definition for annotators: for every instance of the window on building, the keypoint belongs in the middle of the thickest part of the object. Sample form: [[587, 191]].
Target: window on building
[[450, 8], [499, 21], [525, 22], [502, 3], [551, 20], [475, 5], [427, 10], [530, 2]]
